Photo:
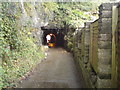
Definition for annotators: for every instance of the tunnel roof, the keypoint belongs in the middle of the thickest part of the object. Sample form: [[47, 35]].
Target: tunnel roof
[[48, 27]]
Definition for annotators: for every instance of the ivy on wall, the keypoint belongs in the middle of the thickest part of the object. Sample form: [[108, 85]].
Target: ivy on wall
[[18, 51]]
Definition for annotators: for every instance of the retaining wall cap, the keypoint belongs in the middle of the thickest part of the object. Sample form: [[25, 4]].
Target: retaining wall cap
[[87, 23], [95, 20], [80, 27]]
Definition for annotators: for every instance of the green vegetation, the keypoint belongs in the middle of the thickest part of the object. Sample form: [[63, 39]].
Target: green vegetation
[[73, 13], [18, 51]]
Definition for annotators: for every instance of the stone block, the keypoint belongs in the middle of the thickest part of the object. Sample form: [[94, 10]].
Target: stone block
[[86, 24], [119, 19], [105, 24], [85, 60], [105, 56], [105, 29], [103, 83], [104, 37], [105, 14], [119, 10], [93, 77], [87, 30], [106, 6], [104, 71], [105, 21], [119, 25], [104, 44]]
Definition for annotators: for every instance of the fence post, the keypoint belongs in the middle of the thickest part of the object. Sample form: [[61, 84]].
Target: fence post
[[104, 46], [114, 29], [86, 43], [118, 48]]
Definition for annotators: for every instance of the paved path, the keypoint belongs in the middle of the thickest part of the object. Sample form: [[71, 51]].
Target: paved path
[[57, 71]]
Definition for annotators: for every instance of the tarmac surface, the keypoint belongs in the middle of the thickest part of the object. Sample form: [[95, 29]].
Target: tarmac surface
[[58, 70]]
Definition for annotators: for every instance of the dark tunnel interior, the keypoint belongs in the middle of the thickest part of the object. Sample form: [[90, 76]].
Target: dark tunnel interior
[[59, 36]]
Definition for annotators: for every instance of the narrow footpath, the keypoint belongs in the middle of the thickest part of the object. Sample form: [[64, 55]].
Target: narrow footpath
[[58, 70]]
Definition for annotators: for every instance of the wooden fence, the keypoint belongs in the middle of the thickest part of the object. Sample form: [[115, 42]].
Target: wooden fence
[[98, 48], [93, 55], [116, 46]]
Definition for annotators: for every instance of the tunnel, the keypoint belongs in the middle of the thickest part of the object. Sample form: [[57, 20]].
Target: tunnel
[[57, 36]]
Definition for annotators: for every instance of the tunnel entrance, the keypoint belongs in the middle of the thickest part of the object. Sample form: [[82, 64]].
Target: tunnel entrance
[[57, 38]]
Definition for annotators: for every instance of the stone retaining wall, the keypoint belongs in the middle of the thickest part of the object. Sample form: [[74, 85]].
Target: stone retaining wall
[[104, 46], [93, 49]]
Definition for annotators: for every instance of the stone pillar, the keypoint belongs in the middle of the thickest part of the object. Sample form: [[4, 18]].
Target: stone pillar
[[79, 45], [104, 46], [82, 44], [84, 62], [87, 42], [75, 42]]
